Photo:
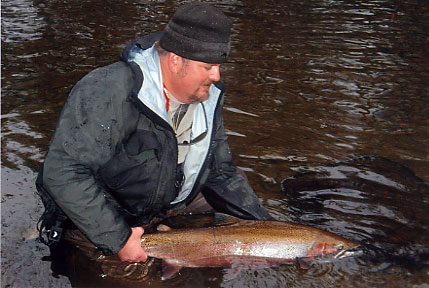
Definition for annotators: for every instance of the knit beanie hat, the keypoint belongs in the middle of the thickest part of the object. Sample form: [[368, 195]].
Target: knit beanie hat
[[198, 31]]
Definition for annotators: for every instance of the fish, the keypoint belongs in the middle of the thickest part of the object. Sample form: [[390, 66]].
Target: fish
[[242, 244]]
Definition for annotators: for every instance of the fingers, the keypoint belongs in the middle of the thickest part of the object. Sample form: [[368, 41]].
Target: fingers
[[132, 250], [142, 257], [138, 230]]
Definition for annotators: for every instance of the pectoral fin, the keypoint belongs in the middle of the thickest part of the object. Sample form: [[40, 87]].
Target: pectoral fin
[[230, 274], [303, 264], [169, 269]]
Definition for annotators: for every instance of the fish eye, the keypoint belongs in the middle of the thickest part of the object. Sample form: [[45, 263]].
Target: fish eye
[[340, 247]]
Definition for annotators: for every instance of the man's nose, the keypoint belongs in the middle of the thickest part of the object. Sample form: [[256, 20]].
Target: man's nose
[[215, 73]]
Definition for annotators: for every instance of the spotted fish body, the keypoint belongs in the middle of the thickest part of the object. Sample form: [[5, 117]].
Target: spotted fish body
[[243, 244]]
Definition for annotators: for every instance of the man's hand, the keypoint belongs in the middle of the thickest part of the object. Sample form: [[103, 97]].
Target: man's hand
[[133, 251]]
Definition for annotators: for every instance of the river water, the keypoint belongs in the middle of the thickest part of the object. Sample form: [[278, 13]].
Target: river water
[[312, 87]]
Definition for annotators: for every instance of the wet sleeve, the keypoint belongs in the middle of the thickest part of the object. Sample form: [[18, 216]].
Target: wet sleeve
[[89, 128], [227, 189]]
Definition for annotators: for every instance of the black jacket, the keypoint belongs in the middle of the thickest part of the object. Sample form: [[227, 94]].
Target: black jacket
[[112, 162]]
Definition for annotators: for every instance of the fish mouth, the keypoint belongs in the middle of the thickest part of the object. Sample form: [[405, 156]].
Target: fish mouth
[[352, 252]]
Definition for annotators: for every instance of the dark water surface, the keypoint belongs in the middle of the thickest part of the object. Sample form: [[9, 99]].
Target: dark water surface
[[311, 85]]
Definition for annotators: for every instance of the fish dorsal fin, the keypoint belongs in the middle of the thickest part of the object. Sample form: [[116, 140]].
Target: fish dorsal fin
[[225, 219]]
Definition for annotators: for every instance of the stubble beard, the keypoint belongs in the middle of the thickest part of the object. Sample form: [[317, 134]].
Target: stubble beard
[[201, 94]]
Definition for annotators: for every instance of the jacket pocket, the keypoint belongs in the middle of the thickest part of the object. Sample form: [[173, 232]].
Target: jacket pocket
[[132, 174]]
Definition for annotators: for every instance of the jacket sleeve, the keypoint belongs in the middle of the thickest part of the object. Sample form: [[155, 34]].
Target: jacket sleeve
[[89, 129], [227, 189]]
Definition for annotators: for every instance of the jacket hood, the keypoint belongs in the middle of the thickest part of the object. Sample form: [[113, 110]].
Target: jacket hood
[[144, 42]]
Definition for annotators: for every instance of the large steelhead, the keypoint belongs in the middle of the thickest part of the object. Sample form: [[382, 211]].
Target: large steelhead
[[242, 244]]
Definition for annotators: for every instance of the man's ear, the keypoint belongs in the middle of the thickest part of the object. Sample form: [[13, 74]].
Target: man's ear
[[174, 62]]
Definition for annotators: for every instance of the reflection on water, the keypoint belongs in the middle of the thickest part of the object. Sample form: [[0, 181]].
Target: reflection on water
[[308, 82], [368, 193], [372, 200]]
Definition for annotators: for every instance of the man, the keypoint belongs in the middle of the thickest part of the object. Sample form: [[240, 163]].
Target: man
[[121, 156]]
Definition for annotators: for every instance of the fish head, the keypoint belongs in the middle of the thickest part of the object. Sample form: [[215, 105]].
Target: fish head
[[351, 252], [333, 246]]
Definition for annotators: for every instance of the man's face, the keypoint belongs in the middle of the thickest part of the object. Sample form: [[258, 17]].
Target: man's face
[[194, 79]]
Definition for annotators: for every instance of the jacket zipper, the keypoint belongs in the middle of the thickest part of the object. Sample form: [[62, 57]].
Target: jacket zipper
[[197, 183]]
